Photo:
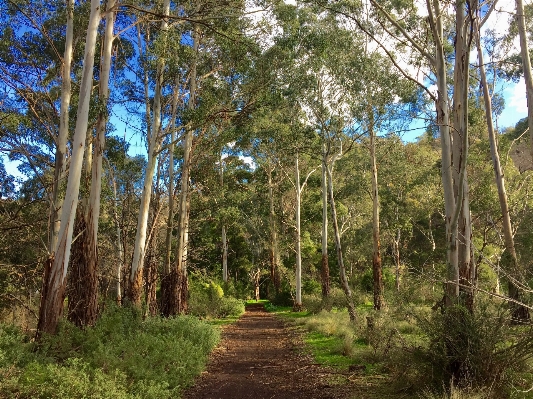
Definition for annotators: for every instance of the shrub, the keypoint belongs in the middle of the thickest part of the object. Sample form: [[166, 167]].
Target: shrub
[[207, 300], [474, 350], [121, 357]]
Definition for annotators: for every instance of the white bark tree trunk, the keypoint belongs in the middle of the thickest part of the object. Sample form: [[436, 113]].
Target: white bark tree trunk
[[223, 235], [526, 65], [325, 260], [118, 244], [181, 286], [62, 138], [463, 240], [298, 300], [342, 270], [520, 313], [83, 290], [443, 122], [172, 146], [274, 251], [154, 142], [376, 253], [53, 294]]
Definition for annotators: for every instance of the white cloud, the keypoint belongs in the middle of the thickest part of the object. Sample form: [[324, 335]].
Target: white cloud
[[516, 97]]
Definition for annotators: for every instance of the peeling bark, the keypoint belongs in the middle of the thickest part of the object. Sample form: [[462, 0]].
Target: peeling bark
[[52, 296]]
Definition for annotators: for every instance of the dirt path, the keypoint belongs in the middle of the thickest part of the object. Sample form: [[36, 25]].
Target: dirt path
[[259, 358]]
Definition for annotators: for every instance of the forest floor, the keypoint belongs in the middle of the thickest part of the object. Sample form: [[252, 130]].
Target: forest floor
[[262, 357]]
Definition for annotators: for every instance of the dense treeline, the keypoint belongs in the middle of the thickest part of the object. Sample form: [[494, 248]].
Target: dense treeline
[[273, 162]]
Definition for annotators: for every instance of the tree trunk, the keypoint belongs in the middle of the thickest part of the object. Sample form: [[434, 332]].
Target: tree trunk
[[119, 248], [376, 254], [151, 273], [443, 122], [166, 288], [397, 264], [520, 313], [83, 296], [154, 142], [223, 235], [526, 65], [180, 288], [62, 138], [274, 252], [53, 292], [459, 158], [337, 234], [325, 260], [298, 300]]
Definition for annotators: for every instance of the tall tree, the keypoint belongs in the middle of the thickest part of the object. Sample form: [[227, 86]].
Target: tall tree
[[154, 143], [53, 292], [526, 66], [83, 290], [520, 312], [180, 282]]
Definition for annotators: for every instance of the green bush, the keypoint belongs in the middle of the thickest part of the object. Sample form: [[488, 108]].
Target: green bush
[[366, 280], [475, 350], [121, 357], [207, 300]]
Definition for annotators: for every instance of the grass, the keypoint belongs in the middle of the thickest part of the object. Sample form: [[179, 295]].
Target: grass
[[354, 356], [223, 321], [326, 350]]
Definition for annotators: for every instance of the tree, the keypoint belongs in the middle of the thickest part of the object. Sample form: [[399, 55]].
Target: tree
[[83, 285], [54, 277], [154, 143], [526, 66], [520, 312]]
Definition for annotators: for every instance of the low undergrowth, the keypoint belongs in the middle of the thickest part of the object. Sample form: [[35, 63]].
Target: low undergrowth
[[121, 357], [207, 300], [411, 351]]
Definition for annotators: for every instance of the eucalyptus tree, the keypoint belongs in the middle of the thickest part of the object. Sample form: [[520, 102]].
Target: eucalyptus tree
[[36, 68], [321, 71], [154, 143], [54, 277], [429, 46], [526, 66], [520, 312], [83, 284]]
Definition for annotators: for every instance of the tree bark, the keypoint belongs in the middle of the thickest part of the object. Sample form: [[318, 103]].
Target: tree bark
[[396, 254], [298, 300], [119, 247], [274, 251], [180, 289], [325, 260], [53, 292], [154, 142], [526, 65], [460, 155], [83, 296], [62, 138], [166, 286], [223, 235], [376, 253], [520, 313], [342, 270], [443, 122]]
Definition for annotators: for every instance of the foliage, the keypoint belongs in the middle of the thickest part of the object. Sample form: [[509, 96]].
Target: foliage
[[207, 300], [121, 357], [482, 350]]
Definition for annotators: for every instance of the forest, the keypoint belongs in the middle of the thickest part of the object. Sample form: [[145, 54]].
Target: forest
[[163, 163]]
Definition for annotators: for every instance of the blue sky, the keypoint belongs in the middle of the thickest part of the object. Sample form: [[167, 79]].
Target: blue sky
[[515, 109]]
